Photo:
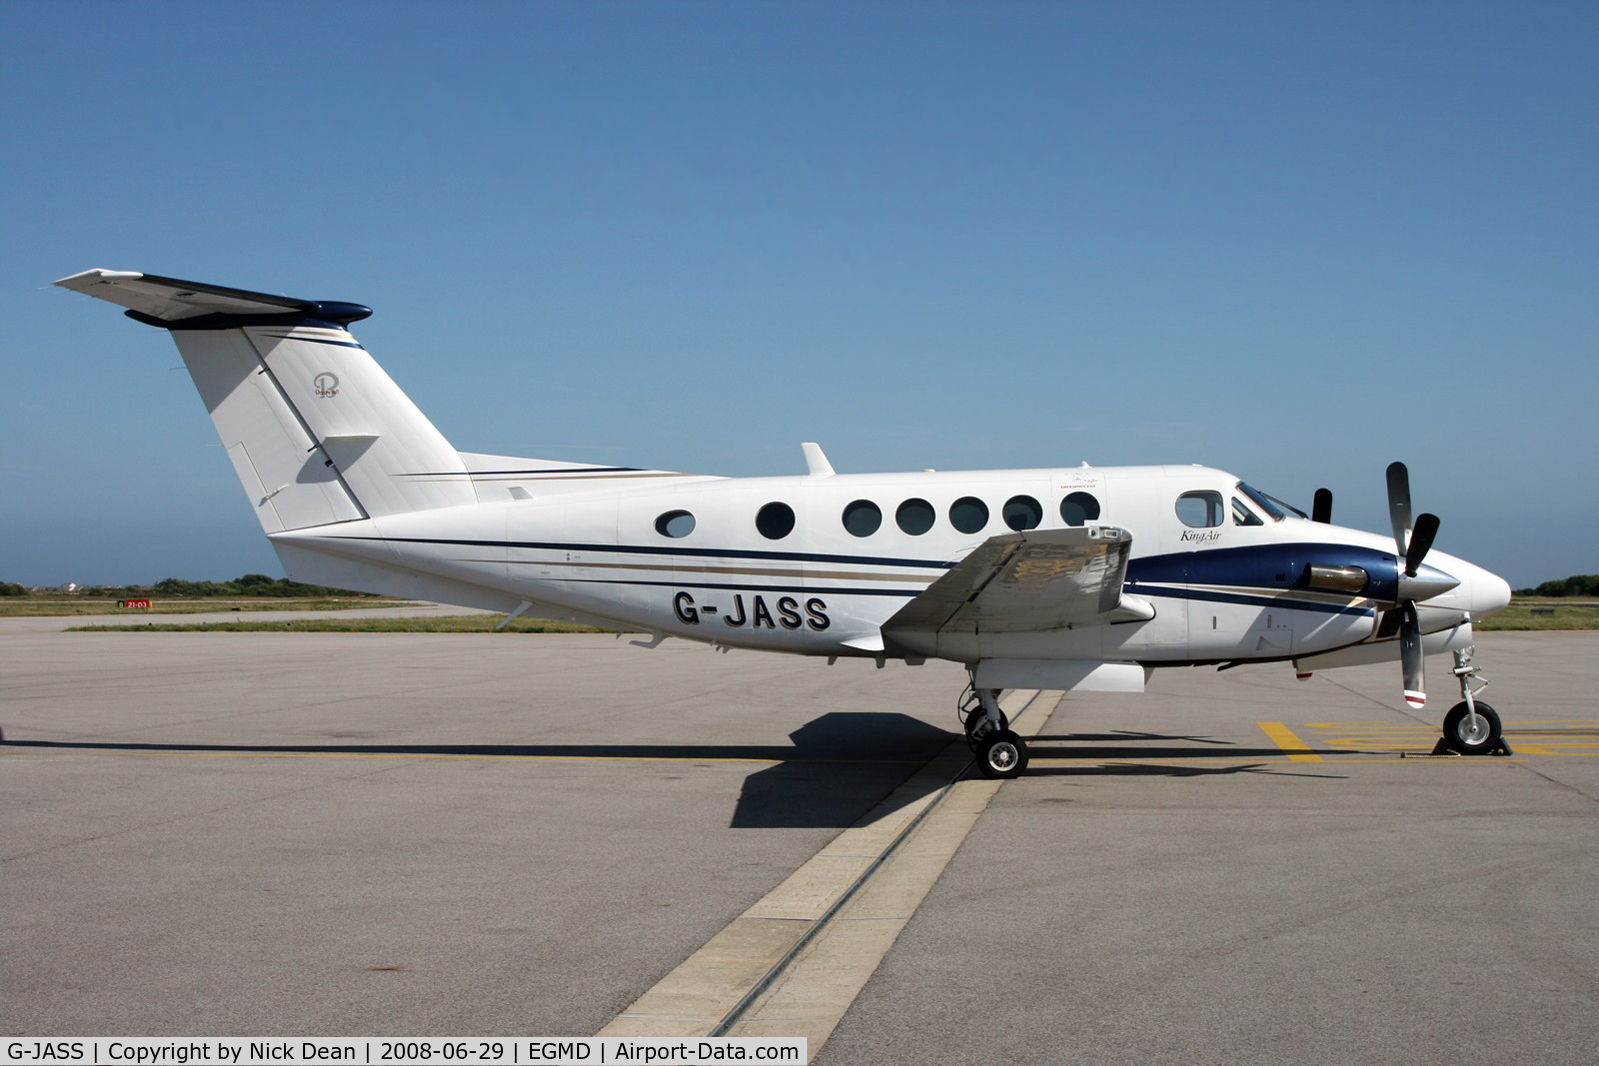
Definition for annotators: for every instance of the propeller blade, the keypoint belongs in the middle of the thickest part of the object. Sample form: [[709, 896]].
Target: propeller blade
[[1420, 542], [1411, 655], [1321, 507], [1399, 504]]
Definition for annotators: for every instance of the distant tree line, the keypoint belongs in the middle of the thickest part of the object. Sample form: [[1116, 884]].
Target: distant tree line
[[247, 585], [1576, 585]]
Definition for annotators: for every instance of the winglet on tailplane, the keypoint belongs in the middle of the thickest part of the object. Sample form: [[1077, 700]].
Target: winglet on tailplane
[[317, 432]]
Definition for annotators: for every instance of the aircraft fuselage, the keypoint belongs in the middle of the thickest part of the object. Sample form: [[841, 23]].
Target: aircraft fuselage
[[816, 564]]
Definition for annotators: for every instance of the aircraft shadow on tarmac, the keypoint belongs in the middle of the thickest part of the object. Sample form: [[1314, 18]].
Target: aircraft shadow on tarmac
[[838, 766], [1167, 770], [1118, 752]]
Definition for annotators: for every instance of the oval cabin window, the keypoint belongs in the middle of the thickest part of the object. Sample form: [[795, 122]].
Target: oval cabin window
[[775, 521], [1023, 512], [1079, 508], [915, 517], [968, 514], [675, 524], [862, 518]]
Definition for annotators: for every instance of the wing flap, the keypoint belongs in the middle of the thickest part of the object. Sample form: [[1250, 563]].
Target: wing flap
[[1034, 581]]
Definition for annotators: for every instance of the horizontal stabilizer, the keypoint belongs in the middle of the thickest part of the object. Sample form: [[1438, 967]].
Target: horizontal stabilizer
[[173, 300]]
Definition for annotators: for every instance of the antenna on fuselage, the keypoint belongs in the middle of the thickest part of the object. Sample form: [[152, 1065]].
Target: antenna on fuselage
[[816, 460]]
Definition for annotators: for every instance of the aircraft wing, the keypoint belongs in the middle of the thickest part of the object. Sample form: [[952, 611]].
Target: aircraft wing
[[1039, 580], [172, 300]]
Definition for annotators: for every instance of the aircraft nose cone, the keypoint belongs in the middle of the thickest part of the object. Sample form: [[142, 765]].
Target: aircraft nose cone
[[1489, 593]]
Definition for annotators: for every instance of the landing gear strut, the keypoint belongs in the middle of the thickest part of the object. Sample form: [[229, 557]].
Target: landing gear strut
[[1471, 727], [1001, 754]]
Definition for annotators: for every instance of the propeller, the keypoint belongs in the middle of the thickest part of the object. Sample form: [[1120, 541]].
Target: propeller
[[1412, 656], [1413, 540], [1321, 507], [1399, 504], [1421, 539]]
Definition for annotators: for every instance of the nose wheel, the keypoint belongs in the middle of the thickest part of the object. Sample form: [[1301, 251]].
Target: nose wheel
[[1472, 730]]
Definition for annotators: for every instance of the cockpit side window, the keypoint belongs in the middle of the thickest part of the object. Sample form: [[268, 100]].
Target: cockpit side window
[[1275, 508], [1243, 516], [1200, 509]]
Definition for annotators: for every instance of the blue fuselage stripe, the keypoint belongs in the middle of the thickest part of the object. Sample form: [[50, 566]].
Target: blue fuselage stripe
[[1169, 569], [1245, 599], [699, 553]]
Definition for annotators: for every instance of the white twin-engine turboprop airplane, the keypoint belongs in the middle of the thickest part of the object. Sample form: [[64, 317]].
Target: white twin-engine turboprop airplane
[[1062, 578]]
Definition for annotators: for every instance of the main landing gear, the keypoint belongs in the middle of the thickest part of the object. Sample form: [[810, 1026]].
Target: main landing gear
[[1001, 754], [1471, 727]]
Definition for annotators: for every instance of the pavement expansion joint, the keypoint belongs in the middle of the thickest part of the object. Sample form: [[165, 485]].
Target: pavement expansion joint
[[792, 964]]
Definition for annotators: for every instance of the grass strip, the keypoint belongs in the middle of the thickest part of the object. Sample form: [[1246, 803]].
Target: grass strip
[[1519, 616], [34, 607], [451, 623]]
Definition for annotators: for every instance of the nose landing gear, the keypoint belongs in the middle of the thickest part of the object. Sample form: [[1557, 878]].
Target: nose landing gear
[[1471, 727]]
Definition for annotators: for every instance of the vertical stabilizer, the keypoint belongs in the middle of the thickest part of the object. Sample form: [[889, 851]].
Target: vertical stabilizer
[[316, 430]]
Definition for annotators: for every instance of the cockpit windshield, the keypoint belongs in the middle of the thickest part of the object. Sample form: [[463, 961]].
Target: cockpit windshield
[[1277, 509]]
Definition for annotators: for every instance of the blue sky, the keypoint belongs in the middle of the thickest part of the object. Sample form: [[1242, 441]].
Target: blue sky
[[1292, 240]]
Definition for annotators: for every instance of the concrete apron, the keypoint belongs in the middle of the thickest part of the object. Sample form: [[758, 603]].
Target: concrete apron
[[839, 945]]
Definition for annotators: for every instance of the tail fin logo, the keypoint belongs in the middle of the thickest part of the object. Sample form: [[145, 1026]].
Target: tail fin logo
[[327, 385]]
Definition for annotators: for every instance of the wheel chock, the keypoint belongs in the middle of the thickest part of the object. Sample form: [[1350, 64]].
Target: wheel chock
[[1440, 750]]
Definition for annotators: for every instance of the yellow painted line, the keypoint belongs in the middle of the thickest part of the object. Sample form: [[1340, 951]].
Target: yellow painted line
[[1521, 725], [1404, 745], [1285, 739], [1375, 727], [1340, 760], [1209, 760], [1341, 736], [1553, 732]]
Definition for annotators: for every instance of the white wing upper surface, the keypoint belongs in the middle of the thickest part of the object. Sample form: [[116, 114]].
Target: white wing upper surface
[[1025, 582]]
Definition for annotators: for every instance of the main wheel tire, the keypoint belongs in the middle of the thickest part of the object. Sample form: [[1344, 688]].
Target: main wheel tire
[[1460, 737], [1002, 755]]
